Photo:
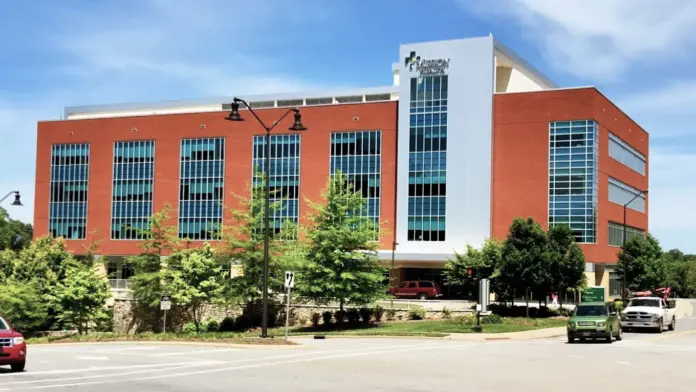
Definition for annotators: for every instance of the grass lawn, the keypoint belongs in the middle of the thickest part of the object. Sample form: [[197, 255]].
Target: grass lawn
[[429, 328]]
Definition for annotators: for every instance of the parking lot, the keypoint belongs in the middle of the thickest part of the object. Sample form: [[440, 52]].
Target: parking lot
[[642, 362]]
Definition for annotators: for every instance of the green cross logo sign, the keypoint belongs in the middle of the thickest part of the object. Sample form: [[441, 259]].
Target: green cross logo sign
[[412, 61]]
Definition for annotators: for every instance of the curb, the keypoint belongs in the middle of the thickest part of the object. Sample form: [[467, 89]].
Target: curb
[[171, 343]]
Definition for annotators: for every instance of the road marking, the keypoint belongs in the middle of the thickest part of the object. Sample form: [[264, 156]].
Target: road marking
[[88, 358], [137, 348], [623, 362], [195, 352], [670, 335], [111, 374], [577, 357], [251, 366], [93, 369]]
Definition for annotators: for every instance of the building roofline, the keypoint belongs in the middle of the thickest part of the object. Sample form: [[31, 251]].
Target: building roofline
[[524, 64]]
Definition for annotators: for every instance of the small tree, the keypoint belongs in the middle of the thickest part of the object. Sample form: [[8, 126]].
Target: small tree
[[566, 260], [14, 235], [680, 273], [23, 304], [481, 262], [643, 260], [81, 296], [195, 279], [342, 262]]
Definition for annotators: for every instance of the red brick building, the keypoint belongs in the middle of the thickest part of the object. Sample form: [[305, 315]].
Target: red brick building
[[468, 138]]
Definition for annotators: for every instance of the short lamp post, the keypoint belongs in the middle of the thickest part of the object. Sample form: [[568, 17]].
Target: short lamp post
[[17, 198], [296, 126], [623, 243]]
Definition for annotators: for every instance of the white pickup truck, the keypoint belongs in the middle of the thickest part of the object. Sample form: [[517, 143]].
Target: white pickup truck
[[648, 312]]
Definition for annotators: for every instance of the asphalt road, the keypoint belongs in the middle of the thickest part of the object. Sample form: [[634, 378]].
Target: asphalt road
[[642, 362]]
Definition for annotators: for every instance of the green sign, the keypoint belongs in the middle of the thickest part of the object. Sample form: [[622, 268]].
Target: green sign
[[592, 294]]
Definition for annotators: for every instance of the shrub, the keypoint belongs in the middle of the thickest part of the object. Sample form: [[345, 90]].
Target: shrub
[[491, 319], [619, 306], [211, 326], [353, 315], [302, 321], [366, 315], [446, 313], [189, 327], [326, 317], [391, 314], [379, 312], [339, 316], [227, 324], [315, 319], [464, 320], [417, 313]]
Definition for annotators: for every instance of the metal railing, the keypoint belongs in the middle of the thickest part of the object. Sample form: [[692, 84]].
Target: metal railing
[[119, 284]]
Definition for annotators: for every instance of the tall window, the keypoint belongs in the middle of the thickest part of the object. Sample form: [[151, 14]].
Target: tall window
[[629, 156], [615, 284], [358, 155], [427, 166], [131, 200], [68, 193], [616, 233], [201, 188], [573, 177], [621, 194], [284, 177]]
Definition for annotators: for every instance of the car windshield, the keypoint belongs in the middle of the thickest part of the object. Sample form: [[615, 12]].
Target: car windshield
[[597, 310], [3, 325], [645, 302]]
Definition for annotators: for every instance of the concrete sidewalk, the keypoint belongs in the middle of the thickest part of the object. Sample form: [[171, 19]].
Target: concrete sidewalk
[[525, 335]]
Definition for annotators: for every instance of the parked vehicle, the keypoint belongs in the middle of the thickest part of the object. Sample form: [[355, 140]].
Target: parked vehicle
[[421, 289], [594, 320], [13, 350], [649, 312]]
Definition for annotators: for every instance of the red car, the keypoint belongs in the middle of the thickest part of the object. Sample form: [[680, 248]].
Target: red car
[[421, 289], [13, 350]]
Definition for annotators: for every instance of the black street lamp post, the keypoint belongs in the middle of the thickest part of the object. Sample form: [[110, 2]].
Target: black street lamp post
[[17, 198], [296, 126], [623, 243]]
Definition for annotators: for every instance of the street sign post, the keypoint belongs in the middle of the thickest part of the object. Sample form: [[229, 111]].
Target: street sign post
[[289, 284], [484, 293], [165, 304]]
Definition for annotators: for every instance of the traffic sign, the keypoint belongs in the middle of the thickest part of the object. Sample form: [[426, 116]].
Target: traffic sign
[[165, 302], [289, 279]]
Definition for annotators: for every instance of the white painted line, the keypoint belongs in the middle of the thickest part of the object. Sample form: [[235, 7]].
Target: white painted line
[[110, 374], [195, 352], [577, 357], [623, 363], [88, 358], [136, 348], [251, 366], [93, 369]]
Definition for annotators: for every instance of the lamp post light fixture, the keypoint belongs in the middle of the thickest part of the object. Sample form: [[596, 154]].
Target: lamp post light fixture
[[623, 243], [17, 198], [296, 126]]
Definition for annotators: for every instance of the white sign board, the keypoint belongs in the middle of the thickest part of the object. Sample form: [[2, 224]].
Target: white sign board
[[289, 279], [165, 302]]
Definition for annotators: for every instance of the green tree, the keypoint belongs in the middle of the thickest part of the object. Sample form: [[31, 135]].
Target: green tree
[[195, 278], [482, 263], [525, 259], [567, 262], [14, 234], [642, 258], [243, 247], [23, 304], [680, 272], [81, 296], [342, 262]]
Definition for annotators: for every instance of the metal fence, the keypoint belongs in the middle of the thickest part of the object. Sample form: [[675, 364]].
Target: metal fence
[[119, 284]]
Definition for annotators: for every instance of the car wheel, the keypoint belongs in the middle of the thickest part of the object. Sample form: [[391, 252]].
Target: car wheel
[[619, 337], [661, 326], [673, 324], [610, 338], [18, 367], [571, 340], [422, 296]]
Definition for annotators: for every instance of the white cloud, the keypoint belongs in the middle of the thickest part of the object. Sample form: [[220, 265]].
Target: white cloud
[[673, 99], [600, 38]]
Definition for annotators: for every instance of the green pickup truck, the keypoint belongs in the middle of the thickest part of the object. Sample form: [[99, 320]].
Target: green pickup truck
[[594, 320]]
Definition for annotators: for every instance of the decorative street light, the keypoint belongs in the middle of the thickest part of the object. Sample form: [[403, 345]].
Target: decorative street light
[[623, 244], [296, 126], [17, 198]]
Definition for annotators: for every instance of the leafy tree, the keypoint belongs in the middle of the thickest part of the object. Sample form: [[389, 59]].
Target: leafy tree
[[243, 246], [23, 305], [680, 272], [525, 259], [643, 260], [194, 278], [567, 261], [481, 262], [342, 262], [81, 296], [14, 234]]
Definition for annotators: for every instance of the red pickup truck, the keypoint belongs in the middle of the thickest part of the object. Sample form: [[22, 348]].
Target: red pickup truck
[[421, 289], [13, 350]]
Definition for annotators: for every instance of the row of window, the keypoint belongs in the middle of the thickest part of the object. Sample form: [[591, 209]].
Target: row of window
[[621, 193], [622, 152], [616, 233]]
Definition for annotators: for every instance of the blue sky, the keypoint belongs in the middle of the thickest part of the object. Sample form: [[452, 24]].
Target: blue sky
[[640, 53]]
